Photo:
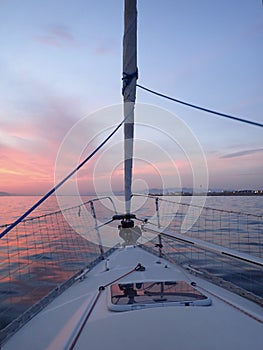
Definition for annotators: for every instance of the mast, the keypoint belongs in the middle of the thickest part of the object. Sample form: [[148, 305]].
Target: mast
[[130, 76]]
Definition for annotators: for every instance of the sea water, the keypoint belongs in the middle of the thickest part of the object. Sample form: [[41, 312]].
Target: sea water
[[12, 207]]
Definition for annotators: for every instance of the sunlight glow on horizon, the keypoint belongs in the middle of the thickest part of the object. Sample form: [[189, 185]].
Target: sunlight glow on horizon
[[59, 63]]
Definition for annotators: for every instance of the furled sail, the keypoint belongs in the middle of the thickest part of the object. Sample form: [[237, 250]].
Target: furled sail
[[130, 75]]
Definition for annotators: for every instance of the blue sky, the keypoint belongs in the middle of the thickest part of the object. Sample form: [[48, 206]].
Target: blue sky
[[62, 60]]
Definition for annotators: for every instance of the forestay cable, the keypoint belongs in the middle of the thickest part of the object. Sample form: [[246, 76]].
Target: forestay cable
[[201, 108]]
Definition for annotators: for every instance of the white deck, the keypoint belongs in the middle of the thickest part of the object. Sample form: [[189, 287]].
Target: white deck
[[219, 326]]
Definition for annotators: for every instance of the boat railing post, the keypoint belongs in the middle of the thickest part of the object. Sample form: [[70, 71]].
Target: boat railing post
[[97, 229], [157, 211], [159, 245]]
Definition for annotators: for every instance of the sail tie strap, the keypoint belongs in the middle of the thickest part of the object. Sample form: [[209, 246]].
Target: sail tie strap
[[127, 78]]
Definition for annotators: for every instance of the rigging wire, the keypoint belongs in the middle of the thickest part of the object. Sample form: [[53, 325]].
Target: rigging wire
[[48, 194], [200, 108]]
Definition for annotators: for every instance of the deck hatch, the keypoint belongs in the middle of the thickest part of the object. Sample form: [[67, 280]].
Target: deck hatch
[[128, 296]]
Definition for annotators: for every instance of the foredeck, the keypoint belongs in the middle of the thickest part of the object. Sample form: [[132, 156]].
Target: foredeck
[[230, 322]]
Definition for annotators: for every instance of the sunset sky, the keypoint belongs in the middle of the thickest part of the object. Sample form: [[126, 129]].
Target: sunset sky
[[61, 61]]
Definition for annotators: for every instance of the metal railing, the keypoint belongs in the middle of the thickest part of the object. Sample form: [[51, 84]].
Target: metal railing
[[224, 245], [239, 231], [42, 252]]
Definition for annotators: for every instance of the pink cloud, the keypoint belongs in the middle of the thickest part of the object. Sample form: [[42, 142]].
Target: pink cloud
[[22, 172], [62, 32], [49, 41], [57, 36], [105, 48], [29, 147]]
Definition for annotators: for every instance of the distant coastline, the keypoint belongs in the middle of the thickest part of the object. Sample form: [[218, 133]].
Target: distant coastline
[[211, 193], [6, 194], [158, 192]]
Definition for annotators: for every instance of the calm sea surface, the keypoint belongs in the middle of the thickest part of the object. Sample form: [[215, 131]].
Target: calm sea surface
[[13, 207], [43, 260]]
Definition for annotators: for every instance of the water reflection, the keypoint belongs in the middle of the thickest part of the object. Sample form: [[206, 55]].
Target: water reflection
[[41, 253], [38, 255]]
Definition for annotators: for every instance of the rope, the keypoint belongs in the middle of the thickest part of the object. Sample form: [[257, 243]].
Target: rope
[[86, 319], [201, 108], [48, 194], [139, 267]]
